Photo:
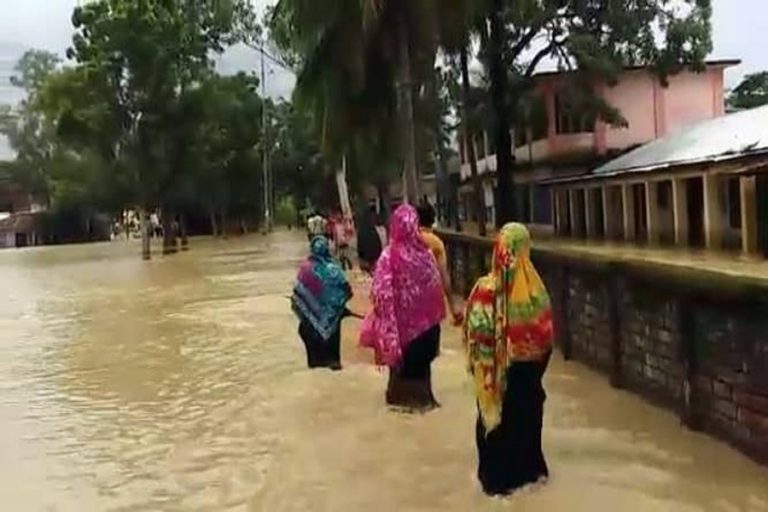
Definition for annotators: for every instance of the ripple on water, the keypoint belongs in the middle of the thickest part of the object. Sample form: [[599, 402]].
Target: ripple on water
[[179, 385]]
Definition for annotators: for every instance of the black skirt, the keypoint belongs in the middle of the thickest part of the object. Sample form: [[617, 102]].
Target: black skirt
[[321, 353], [510, 456], [410, 384]]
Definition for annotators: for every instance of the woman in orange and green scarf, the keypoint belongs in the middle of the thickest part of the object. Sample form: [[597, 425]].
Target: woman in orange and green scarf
[[508, 339]]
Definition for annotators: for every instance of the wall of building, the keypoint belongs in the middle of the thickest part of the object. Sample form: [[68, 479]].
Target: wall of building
[[634, 97], [7, 239], [690, 98], [689, 340], [650, 109]]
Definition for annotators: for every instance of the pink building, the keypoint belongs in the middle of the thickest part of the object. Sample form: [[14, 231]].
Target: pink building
[[563, 144]]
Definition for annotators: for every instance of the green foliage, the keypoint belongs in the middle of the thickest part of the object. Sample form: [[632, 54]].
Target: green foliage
[[33, 69], [751, 92], [285, 212], [141, 118]]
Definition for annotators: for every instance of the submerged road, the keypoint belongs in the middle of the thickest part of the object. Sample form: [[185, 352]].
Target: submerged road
[[179, 384]]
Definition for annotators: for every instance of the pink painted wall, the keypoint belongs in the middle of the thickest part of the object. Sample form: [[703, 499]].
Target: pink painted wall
[[650, 109], [635, 99], [690, 98]]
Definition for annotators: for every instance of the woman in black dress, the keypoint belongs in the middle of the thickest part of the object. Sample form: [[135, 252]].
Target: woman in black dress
[[319, 301], [508, 339]]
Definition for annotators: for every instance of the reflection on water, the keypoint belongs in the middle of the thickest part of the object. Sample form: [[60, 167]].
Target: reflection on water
[[179, 385]]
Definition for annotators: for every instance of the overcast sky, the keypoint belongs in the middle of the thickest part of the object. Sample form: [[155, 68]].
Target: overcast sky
[[740, 31]]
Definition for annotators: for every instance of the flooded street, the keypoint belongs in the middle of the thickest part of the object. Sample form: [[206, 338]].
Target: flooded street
[[180, 384]]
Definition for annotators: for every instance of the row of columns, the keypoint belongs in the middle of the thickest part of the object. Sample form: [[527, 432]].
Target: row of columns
[[582, 211]]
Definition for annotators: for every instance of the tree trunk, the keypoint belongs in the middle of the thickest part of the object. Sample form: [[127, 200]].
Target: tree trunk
[[382, 190], [124, 225], [441, 173], [469, 145], [454, 192], [341, 183], [443, 186], [183, 232], [505, 194], [146, 250], [411, 193], [214, 223], [169, 234], [223, 222]]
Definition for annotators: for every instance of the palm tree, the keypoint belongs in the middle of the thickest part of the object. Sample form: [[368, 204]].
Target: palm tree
[[459, 20], [406, 31]]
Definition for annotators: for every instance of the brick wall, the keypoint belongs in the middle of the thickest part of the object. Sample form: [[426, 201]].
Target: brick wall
[[689, 341]]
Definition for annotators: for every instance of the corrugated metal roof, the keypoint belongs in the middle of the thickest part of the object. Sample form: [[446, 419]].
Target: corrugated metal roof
[[734, 135]]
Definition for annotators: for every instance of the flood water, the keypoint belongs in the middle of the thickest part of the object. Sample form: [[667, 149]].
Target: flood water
[[179, 384]]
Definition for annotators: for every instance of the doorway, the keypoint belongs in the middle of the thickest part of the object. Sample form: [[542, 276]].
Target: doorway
[[695, 193], [641, 217]]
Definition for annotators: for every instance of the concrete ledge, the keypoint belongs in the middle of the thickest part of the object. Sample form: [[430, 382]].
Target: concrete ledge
[[704, 272]]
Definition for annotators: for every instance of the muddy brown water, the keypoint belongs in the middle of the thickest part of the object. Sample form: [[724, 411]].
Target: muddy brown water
[[179, 384]]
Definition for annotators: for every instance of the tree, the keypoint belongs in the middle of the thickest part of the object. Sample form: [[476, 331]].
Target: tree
[[406, 32], [751, 92], [33, 69], [345, 87], [598, 38], [50, 163], [29, 134], [145, 54]]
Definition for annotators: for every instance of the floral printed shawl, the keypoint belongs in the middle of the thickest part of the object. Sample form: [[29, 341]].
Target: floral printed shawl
[[508, 318], [321, 291], [407, 292]]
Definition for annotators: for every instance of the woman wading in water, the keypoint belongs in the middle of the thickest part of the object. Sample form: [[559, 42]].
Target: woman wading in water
[[508, 339], [403, 328], [319, 301]]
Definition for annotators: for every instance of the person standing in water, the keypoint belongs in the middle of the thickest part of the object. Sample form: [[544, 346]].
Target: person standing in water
[[508, 338], [316, 225], [319, 301], [403, 328], [433, 242], [369, 244]]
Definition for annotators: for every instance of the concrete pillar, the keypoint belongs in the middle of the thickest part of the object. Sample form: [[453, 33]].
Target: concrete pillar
[[713, 218], [628, 200], [476, 144], [749, 225], [652, 212], [680, 211]]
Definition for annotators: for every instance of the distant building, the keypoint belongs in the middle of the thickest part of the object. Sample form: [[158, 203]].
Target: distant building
[[562, 143], [705, 186], [18, 217]]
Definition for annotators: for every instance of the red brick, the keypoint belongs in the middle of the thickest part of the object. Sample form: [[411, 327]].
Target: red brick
[[757, 423], [751, 401], [721, 389], [727, 408], [703, 384]]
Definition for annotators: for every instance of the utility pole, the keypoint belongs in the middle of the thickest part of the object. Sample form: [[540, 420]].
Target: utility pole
[[265, 147]]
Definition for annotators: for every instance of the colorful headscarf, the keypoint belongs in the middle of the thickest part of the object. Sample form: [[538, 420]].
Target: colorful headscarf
[[508, 318], [321, 291], [407, 292]]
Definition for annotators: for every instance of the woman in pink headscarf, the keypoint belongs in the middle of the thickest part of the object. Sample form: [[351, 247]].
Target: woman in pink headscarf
[[403, 328]]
